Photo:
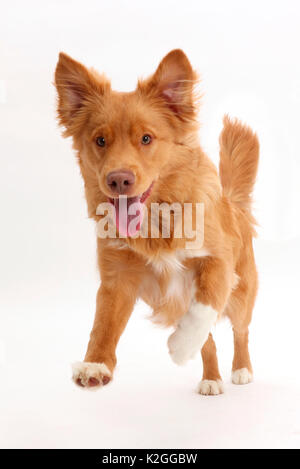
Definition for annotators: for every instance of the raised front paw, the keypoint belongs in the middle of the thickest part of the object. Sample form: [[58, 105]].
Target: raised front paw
[[191, 332], [90, 375], [182, 346]]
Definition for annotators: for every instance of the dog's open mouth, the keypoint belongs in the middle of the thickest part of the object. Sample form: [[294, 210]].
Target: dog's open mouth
[[129, 212]]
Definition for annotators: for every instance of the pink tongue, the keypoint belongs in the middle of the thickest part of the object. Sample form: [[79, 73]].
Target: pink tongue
[[129, 215]]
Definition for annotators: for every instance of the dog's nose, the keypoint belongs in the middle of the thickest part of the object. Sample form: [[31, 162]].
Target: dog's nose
[[120, 182]]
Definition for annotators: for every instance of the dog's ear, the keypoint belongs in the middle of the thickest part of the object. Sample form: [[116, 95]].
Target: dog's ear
[[76, 87], [174, 82]]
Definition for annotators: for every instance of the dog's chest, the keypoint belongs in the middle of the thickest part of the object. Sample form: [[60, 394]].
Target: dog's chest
[[168, 287]]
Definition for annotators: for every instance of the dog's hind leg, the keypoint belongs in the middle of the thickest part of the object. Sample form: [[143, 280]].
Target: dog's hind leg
[[241, 367], [211, 383], [239, 311]]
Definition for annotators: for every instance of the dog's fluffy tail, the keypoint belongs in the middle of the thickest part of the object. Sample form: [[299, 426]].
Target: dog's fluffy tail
[[239, 153]]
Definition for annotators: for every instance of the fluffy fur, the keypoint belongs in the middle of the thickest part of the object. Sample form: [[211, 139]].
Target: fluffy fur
[[191, 332], [221, 276]]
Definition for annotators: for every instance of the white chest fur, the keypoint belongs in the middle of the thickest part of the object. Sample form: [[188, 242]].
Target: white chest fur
[[179, 277], [173, 262]]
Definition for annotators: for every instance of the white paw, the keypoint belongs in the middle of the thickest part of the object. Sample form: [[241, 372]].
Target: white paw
[[90, 375], [182, 347], [209, 387], [241, 376], [191, 333]]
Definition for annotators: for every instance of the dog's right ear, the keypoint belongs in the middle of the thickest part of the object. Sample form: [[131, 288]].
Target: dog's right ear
[[76, 87]]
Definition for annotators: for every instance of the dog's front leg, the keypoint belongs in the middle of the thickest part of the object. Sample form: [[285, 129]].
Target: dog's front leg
[[212, 288], [115, 301]]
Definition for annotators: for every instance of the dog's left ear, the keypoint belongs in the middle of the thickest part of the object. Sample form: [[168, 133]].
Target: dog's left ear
[[174, 82]]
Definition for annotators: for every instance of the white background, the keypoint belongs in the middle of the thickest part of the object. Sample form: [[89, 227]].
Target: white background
[[248, 57]]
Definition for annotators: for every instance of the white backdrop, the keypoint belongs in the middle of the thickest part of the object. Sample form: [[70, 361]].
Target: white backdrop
[[248, 56]]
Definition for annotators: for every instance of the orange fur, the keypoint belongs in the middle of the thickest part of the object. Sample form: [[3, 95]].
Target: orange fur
[[164, 106]]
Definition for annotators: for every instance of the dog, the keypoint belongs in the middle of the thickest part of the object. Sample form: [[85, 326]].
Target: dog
[[142, 148]]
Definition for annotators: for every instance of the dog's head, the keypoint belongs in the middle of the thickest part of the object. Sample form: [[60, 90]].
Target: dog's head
[[128, 141]]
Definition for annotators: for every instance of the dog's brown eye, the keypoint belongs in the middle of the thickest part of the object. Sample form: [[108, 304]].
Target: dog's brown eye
[[100, 141], [146, 139]]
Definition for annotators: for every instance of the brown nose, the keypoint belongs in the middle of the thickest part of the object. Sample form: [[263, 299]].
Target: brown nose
[[120, 182]]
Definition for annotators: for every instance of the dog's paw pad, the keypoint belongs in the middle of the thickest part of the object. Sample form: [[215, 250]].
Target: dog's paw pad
[[208, 387], [93, 382], [241, 376], [105, 380], [78, 382], [90, 375]]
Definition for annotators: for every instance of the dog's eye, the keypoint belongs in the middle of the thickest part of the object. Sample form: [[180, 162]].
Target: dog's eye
[[146, 139], [100, 141]]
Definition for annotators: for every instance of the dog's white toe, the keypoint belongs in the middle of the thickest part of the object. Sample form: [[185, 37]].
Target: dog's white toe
[[241, 376], [209, 387], [90, 375]]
